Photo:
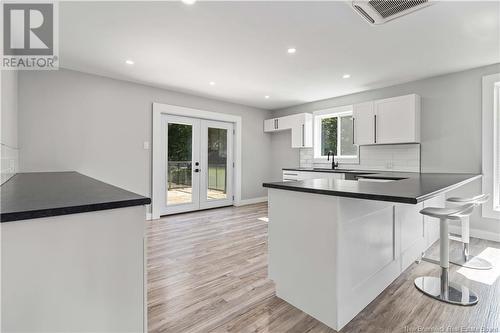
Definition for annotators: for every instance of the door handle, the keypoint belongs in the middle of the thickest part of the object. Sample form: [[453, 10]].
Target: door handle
[[197, 170], [353, 121], [303, 135], [375, 128]]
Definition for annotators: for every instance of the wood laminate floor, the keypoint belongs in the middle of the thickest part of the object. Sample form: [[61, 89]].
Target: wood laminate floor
[[207, 272]]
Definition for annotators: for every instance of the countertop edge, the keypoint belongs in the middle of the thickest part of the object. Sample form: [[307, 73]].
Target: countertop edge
[[448, 188], [59, 211], [365, 196]]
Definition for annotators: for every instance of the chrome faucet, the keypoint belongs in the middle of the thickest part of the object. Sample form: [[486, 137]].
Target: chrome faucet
[[334, 164]]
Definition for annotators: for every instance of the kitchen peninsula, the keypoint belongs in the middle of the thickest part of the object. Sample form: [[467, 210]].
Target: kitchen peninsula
[[72, 255], [336, 243]]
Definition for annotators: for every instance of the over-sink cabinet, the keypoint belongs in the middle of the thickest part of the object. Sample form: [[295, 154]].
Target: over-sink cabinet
[[387, 121]]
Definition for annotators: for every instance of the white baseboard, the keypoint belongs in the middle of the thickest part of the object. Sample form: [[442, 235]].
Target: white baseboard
[[251, 201], [149, 216], [478, 233]]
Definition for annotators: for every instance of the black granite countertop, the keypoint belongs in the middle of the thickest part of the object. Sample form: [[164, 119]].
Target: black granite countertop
[[44, 194], [404, 187]]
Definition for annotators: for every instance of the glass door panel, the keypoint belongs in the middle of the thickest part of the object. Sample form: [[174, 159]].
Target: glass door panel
[[181, 151], [217, 156], [179, 164], [217, 163]]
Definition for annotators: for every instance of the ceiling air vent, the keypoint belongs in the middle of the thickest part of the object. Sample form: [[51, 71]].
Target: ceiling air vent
[[380, 11]]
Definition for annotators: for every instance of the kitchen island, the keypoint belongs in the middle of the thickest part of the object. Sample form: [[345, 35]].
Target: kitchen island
[[72, 251], [336, 244]]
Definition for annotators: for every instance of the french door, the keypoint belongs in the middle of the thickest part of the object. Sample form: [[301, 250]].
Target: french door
[[198, 164]]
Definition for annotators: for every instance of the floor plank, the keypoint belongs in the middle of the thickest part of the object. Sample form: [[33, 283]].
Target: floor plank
[[207, 272]]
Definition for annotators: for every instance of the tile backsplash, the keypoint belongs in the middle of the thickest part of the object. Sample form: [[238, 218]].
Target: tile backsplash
[[9, 162], [404, 157]]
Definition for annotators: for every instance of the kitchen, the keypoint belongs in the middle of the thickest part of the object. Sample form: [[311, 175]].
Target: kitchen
[[181, 171]]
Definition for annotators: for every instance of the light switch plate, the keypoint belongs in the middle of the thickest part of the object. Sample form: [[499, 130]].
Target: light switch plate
[[146, 145]]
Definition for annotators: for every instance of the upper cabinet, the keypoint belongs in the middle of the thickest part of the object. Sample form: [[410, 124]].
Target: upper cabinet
[[299, 124], [363, 123], [387, 121]]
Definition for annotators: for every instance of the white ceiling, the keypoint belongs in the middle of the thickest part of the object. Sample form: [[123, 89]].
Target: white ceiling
[[242, 46]]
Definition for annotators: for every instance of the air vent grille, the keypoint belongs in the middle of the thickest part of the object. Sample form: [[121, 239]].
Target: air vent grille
[[387, 8], [365, 14]]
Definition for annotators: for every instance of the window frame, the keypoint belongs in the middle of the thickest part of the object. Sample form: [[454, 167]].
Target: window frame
[[491, 145], [318, 116]]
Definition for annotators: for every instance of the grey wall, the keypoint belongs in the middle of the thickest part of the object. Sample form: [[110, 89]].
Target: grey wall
[[451, 125], [74, 121]]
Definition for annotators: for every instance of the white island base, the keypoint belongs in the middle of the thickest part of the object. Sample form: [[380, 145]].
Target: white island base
[[331, 256], [74, 273]]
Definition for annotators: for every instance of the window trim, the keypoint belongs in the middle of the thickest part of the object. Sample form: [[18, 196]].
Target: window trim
[[326, 113], [490, 158]]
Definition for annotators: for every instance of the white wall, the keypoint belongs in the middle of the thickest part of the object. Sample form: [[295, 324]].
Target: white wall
[[9, 114], [451, 127], [74, 121]]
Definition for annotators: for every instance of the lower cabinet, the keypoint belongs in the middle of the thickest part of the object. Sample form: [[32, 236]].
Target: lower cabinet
[[291, 175]]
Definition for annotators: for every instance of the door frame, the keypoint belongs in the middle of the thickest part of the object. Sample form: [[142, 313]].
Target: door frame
[[156, 170]]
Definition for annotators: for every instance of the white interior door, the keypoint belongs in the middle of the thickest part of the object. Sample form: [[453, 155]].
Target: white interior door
[[216, 188], [198, 164]]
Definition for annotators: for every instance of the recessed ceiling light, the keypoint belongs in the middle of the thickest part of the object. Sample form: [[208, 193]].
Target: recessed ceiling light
[[189, 2], [346, 76], [291, 50], [212, 83], [266, 97], [129, 62]]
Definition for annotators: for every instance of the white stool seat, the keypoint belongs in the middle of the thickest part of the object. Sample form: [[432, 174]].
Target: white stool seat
[[452, 213], [440, 288], [478, 199]]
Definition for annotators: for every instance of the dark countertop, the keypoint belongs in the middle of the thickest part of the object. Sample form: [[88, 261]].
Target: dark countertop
[[44, 194], [411, 188]]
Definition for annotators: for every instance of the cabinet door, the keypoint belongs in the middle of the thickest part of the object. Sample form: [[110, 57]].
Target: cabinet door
[[364, 123], [431, 225], [270, 125], [397, 119]]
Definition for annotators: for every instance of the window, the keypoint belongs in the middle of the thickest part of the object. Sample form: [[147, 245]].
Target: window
[[333, 132], [491, 145]]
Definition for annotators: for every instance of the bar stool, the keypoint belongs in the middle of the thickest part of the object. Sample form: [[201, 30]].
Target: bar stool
[[466, 260], [440, 288]]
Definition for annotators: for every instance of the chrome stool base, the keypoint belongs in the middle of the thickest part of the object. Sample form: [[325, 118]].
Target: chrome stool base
[[453, 293]]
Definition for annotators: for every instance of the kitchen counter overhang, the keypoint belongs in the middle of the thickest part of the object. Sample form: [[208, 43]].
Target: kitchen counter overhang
[[45, 194], [409, 188]]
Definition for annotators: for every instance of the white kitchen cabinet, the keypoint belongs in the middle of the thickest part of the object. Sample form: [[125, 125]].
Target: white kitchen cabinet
[[431, 225], [363, 116], [387, 121], [293, 175], [271, 125], [397, 119], [300, 125], [302, 128]]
